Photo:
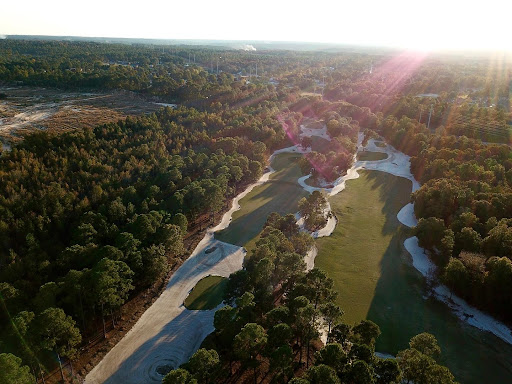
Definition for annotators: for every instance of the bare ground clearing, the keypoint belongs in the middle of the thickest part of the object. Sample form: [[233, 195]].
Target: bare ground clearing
[[24, 109]]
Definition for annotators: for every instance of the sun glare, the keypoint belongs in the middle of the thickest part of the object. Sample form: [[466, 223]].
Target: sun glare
[[398, 23]]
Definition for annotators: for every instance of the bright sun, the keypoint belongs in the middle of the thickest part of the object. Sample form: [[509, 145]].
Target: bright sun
[[437, 24]]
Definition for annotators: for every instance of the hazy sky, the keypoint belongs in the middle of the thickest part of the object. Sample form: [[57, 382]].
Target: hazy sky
[[403, 23]]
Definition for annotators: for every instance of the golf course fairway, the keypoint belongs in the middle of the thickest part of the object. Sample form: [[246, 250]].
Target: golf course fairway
[[353, 254], [280, 194], [375, 280]]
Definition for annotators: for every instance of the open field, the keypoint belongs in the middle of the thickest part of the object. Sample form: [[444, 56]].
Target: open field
[[372, 272], [280, 194], [24, 109], [207, 294], [371, 156]]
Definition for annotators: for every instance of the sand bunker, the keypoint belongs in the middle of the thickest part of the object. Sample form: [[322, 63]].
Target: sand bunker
[[400, 166], [167, 334]]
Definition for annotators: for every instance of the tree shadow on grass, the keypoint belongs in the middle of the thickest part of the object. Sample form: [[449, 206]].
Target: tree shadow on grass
[[394, 192], [284, 198], [280, 194], [402, 309], [209, 298]]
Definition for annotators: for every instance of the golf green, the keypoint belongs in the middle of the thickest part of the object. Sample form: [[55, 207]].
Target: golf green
[[207, 294]]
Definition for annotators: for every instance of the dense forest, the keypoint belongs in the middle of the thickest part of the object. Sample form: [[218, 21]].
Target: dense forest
[[89, 217], [269, 328], [465, 210]]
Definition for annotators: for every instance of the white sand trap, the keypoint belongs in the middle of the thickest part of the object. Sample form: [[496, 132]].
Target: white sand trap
[[167, 105], [407, 217], [383, 355], [398, 164], [473, 316], [328, 229], [168, 333], [310, 258], [420, 261], [319, 132]]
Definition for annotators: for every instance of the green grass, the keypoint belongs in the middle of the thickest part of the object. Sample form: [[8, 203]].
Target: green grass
[[371, 156], [372, 273], [280, 194], [207, 294], [380, 144], [353, 254]]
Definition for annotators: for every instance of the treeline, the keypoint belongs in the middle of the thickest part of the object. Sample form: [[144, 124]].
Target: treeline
[[378, 80], [198, 76], [451, 117], [148, 70], [275, 313], [88, 218], [313, 210], [465, 210], [469, 95]]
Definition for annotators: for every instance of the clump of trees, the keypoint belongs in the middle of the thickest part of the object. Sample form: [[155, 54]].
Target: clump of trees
[[12, 371], [272, 322], [313, 210], [334, 158]]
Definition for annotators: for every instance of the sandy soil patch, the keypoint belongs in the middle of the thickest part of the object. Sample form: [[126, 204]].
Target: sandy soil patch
[[29, 108]]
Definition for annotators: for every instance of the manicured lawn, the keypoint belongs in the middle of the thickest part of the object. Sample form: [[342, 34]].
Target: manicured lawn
[[380, 144], [207, 294], [371, 156], [280, 194], [374, 279], [353, 254]]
